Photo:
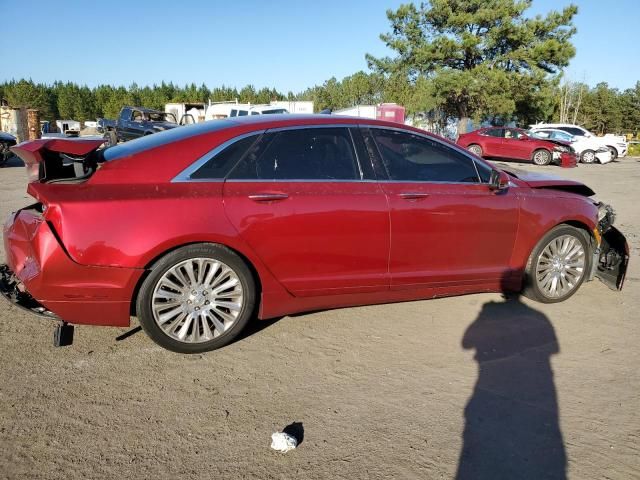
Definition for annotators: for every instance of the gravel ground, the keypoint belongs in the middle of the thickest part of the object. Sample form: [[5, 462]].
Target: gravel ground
[[473, 386]]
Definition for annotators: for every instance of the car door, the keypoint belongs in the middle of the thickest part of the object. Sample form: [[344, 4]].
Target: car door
[[310, 209], [516, 145], [492, 142], [448, 227]]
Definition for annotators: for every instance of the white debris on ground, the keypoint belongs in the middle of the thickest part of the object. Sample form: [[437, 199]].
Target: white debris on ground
[[283, 442]]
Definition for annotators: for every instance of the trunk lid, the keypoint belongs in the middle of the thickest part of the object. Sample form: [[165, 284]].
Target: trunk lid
[[58, 159]]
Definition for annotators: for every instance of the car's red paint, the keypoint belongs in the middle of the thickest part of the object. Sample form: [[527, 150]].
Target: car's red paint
[[328, 244], [519, 146]]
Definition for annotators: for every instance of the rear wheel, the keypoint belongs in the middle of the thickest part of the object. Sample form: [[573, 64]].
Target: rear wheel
[[614, 153], [588, 156], [475, 149], [558, 265], [197, 298], [542, 157]]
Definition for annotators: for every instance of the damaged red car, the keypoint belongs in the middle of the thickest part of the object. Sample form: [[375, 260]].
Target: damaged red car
[[198, 230]]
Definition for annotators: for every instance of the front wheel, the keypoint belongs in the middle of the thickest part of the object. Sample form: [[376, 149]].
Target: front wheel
[[542, 157], [197, 298], [588, 156], [558, 265]]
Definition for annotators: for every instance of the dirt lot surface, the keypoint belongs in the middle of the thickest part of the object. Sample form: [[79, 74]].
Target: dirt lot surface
[[474, 386]]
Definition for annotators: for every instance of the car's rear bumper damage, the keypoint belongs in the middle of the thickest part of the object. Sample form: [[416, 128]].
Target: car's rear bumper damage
[[42, 278]]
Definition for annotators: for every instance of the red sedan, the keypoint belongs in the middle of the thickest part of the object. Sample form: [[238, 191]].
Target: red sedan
[[515, 144], [201, 228]]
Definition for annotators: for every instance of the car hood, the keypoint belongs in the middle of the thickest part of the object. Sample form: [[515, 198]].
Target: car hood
[[551, 182], [7, 137]]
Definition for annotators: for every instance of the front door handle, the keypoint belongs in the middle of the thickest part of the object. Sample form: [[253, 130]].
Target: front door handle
[[413, 195], [268, 197]]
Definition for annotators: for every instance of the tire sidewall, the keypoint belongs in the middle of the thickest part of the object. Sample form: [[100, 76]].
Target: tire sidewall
[[531, 289], [214, 251]]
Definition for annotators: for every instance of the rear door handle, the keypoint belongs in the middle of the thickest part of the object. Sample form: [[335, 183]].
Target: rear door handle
[[413, 195], [268, 197]]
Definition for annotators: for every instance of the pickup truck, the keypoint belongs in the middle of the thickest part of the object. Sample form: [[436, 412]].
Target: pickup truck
[[135, 122]]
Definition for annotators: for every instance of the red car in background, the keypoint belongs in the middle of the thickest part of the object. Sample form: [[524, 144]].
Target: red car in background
[[199, 229], [514, 144]]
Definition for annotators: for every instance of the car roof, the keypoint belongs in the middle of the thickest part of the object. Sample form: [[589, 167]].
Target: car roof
[[145, 110]]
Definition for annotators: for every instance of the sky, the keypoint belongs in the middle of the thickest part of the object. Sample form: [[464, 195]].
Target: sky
[[286, 44]]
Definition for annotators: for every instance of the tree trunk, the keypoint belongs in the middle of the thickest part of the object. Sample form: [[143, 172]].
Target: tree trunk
[[463, 122]]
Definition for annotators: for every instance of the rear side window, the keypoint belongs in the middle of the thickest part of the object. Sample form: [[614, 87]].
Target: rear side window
[[494, 132], [408, 157], [302, 154], [220, 163], [572, 131]]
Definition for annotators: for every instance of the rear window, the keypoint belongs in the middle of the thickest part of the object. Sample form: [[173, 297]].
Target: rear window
[[160, 139]]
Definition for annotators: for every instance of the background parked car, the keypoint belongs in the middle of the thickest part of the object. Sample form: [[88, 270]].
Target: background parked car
[[514, 144], [135, 122], [587, 149], [6, 141], [615, 143]]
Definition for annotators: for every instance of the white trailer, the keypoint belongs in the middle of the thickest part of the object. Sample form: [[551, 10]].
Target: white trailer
[[186, 113]]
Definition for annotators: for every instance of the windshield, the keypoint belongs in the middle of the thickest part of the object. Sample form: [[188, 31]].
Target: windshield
[[162, 117]]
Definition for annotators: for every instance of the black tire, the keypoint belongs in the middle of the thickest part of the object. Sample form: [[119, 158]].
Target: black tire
[[614, 152], [215, 252], [588, 156], [476, 149], [531, 287], [541, 157]]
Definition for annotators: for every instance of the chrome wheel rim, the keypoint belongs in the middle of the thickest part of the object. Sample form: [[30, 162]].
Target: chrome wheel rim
[[197, 300], [560, 266], [588, 157], [541, 157], [475, 149]]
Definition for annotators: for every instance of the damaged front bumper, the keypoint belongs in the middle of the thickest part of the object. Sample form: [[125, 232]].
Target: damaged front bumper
[[611, 256], [611, 259]]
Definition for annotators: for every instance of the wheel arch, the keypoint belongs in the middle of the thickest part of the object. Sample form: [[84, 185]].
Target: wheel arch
[[149, 266]]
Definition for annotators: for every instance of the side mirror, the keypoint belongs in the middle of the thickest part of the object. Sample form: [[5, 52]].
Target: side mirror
[[498, 181]]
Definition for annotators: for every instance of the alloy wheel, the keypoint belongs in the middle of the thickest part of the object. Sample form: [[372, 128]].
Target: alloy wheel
[[197, 300], [541, 157], [588, 157], [560, 266]]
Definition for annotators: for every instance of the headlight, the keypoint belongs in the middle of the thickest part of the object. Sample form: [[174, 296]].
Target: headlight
[[561, 148], [606, 217]]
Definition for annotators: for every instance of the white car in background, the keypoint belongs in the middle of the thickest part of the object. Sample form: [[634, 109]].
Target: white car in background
[[616, 143], [588, 149]]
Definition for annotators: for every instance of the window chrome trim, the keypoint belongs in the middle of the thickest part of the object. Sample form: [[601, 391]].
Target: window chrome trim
[[185, 175], [455, 147]]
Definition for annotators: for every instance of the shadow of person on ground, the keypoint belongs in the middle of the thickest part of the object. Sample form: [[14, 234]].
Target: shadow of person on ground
[[512, 429]]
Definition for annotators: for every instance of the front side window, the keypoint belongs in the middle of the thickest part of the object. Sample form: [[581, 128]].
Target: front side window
[[408, 157], [302, 154], [573, 131]]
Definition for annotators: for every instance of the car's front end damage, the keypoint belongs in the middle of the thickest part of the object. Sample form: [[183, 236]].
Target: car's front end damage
[[611, 255]]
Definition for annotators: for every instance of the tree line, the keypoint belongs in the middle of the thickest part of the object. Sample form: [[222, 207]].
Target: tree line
[[481, 60]]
